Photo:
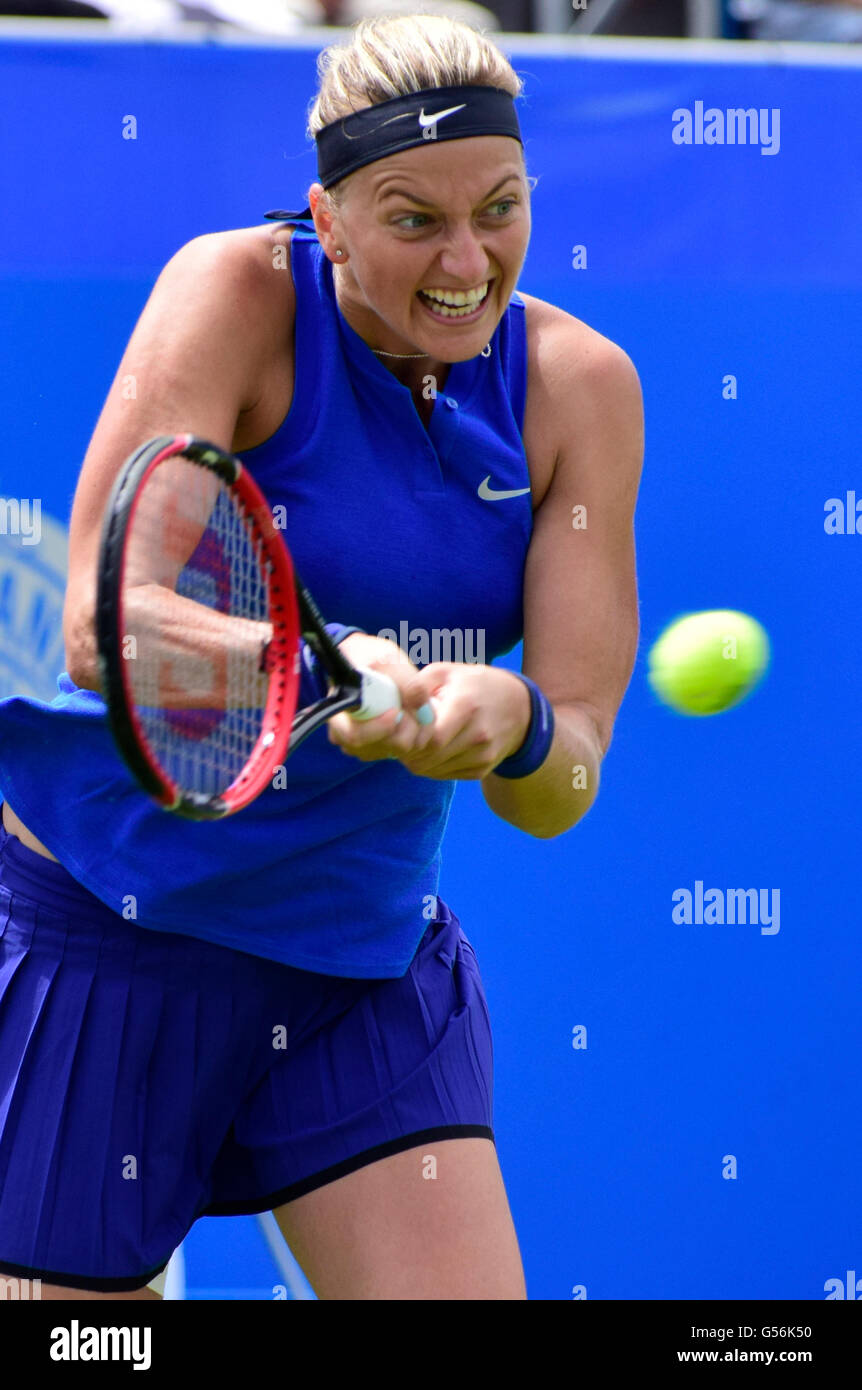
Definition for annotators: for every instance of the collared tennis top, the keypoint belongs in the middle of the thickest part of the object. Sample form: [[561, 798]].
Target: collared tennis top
[[417, 534]]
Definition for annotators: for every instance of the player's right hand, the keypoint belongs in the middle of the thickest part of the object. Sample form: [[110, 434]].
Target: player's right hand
[[396, 731]]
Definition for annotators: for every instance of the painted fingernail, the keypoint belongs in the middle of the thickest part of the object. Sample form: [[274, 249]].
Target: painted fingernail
[[425, 714], [399, 717]]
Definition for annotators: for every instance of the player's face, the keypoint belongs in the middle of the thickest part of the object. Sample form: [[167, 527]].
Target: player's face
[[452, 217]]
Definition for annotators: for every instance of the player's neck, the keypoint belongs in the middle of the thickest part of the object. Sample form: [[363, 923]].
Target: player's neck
[[419, 372], [424, 376]]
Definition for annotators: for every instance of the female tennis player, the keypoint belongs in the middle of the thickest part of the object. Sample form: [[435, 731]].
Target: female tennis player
[[278, 1010]]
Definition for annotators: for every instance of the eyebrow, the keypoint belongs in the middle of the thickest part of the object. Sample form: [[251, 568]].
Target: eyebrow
[[402, 192]]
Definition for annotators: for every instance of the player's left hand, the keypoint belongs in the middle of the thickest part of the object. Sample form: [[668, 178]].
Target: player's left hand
[[481, 716]]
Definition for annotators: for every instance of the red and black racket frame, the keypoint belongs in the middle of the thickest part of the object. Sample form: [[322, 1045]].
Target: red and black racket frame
[[292, 613]]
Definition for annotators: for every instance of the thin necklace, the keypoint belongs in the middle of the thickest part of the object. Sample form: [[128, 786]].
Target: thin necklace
[[486, 352], [402, 355]]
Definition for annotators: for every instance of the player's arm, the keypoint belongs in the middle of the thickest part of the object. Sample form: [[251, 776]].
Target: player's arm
[[580, 592], [193, 363]]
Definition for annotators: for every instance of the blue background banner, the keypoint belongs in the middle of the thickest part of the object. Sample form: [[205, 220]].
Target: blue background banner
[[705, 1143]]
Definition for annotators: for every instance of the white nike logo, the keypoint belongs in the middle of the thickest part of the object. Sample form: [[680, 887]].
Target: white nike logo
[[488, 494], [431, 120]]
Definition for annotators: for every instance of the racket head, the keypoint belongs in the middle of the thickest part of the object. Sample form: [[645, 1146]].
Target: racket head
[[200, 699]]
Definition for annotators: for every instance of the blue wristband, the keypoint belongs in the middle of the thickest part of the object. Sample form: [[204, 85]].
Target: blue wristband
[[539, 737], [338, 631], [312, 684]]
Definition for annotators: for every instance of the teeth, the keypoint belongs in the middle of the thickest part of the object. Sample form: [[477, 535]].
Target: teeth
[[454, 303], [458, 298]]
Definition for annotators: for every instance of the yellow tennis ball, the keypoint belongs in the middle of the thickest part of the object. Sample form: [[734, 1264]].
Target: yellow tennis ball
[[707, 662]]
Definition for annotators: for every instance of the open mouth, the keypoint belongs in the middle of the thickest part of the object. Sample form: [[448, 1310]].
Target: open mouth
[[470, 304]]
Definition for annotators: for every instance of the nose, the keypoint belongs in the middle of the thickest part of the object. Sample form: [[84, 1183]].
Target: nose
[[463, 258]]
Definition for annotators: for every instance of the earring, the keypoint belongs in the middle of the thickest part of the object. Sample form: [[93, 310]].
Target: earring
[[339, 253]]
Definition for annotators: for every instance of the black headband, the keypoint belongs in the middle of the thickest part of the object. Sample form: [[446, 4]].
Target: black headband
[[436, 113]]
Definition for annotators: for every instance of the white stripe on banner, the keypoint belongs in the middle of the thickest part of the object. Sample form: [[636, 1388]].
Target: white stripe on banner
[[594, 47], [175, 1276], [295, 1281]]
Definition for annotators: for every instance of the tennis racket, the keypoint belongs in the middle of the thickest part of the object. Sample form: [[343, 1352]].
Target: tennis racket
[[199, 615]]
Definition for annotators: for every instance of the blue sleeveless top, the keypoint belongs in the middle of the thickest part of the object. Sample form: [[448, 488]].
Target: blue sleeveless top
[[333, 870]]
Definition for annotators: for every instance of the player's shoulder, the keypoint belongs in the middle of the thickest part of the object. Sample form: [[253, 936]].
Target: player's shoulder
[[563, 350], [577, 379], [252, 261]]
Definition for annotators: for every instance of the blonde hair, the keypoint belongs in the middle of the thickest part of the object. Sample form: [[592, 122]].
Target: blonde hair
[[393, 55]]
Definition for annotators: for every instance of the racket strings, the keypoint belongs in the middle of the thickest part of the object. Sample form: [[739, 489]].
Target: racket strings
[[197, 593]]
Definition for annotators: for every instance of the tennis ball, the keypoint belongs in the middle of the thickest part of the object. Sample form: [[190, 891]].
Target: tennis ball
[[707, 662]]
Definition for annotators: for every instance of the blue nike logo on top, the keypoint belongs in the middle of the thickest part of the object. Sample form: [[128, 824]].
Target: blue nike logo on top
[[488, 494]]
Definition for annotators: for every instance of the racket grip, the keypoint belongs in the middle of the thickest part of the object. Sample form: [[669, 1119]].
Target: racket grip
[[379, 693]]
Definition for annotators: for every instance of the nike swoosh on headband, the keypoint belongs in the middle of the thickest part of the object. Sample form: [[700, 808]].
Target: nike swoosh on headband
[[488, 494], [431, 120]]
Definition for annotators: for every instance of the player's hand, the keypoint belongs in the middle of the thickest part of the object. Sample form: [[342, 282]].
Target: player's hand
[[392, 733], [481, 716]]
